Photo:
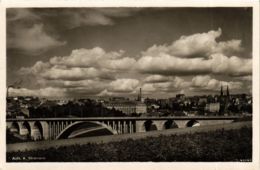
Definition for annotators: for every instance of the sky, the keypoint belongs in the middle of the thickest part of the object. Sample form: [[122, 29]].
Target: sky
[[87, 52]]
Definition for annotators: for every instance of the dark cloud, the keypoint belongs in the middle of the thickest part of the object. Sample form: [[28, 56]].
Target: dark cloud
[[33, 40], [40, 27]]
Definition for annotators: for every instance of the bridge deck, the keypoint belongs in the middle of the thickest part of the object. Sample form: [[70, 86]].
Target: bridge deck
[[127, 118]]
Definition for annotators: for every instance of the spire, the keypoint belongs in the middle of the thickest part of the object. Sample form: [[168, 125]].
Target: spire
[[140, 94], [227, 91], [221, 91], [139, 97]]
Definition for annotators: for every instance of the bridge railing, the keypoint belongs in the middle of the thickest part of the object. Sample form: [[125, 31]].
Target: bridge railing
[[128, 118]]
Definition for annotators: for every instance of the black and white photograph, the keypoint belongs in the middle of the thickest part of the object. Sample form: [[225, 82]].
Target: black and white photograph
[[129, 84]]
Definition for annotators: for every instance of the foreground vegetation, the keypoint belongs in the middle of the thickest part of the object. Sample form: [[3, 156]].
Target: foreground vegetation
[[220, 145]]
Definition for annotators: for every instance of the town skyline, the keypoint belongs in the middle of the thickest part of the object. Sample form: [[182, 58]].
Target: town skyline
[[83, 52], [133, 97]]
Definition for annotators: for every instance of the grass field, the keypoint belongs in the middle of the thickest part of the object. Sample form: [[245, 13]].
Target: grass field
[[219, 145]]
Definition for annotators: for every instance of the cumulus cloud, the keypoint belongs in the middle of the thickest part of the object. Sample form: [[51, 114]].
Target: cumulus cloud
[[206, 82], [168, 65], [33, 40], [81, 64], [105, 92], [65, 73], [173, 84], [42, 92], [198, 55], [196, 45], [123, 85], [37, 68], [96, 57], [148, 87], [245, 78], [84, 71], [91, 84], [231, 66], [98, 72], [156, 78], [217, 64], [56, 91], [195, 54], [125, 63], [200, 81], [75, 73], [197, 83]]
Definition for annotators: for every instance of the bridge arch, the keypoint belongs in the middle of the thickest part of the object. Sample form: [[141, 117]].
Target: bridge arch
[[15, 127], [85, 128], [149, 126], [25, 129], [37, 131], [192, 123], [170, 124]]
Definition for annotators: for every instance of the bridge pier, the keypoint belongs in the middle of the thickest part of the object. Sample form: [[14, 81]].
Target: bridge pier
[[124, 127], [159, 124], [23, 129], [181, 123], [130, 127], [139, 124], [15, 129], [119, 128], [108, 124], [45, 130], [33, 131], [113, 125]]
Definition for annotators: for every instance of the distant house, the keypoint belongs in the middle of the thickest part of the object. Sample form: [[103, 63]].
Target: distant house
[[212, 107], [127, 107]]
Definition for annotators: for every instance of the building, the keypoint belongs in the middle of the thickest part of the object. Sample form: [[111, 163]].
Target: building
[[212, 107], [140, 97], [141, 108], [224, 101], [127, 106]]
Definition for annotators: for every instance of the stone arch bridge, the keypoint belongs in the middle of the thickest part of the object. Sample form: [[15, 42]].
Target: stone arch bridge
[[63, 128]]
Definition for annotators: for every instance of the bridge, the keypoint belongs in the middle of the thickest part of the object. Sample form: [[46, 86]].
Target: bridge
[[64, 128]]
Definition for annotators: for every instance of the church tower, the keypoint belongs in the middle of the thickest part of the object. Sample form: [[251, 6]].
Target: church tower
[[222, 102], [227, 98], [227, 92], [139, 97], [221, 91]]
